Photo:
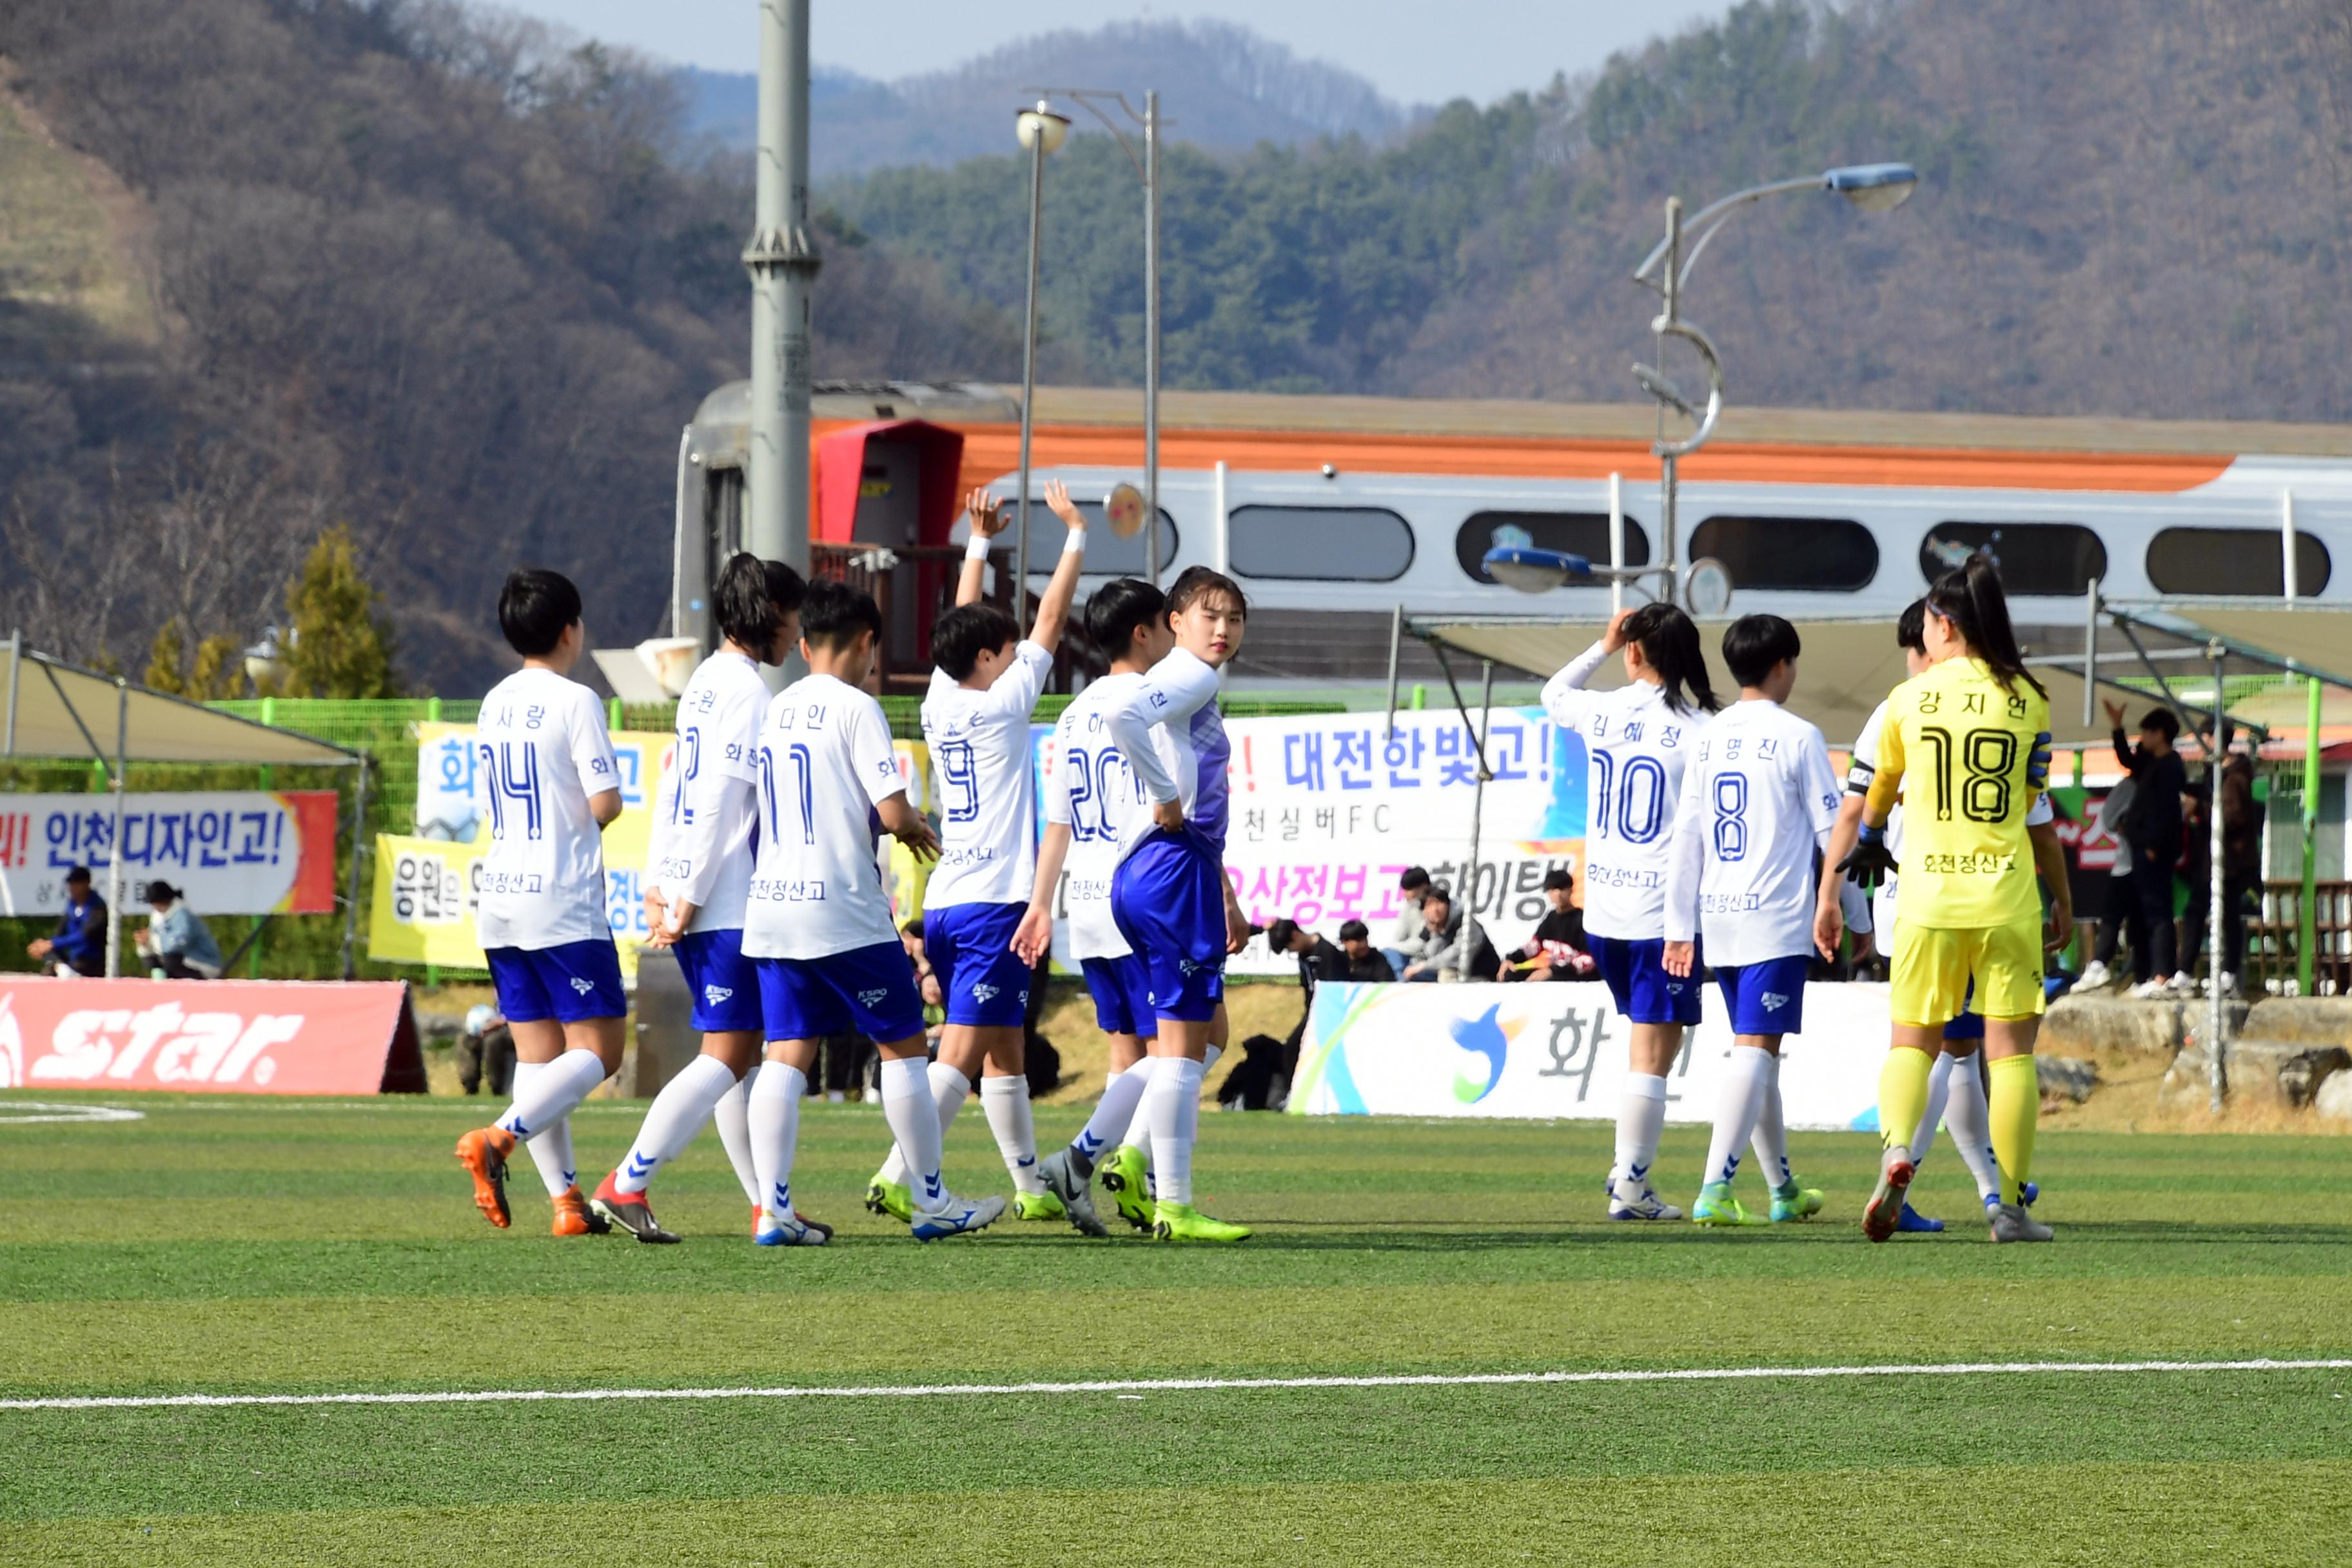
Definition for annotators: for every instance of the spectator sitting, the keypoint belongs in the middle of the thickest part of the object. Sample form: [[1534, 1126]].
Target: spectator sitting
[[177, 944], [79, 944], [1557, 950], [1364, 962], [1442, 941], [1407, 937], [486, 1052]]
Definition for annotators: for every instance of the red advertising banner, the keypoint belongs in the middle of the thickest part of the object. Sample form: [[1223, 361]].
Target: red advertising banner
[[235, 1037]]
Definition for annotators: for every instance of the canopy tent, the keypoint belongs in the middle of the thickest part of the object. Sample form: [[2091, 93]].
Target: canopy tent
[[57, 709]]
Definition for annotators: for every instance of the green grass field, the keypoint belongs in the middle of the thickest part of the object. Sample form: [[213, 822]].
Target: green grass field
[[244, 1247]]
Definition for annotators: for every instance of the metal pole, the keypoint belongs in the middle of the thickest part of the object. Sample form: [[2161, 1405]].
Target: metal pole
[[1152, 333], [15, 664], [2090, 653], [783, 260], [1616, 543], [2217, 1013], [1222, 542], [114, 872], [2306, 936], [1029, 374], [1477, 805], [2286, 545], [1396, 640], [1671, 286], [352, 887]]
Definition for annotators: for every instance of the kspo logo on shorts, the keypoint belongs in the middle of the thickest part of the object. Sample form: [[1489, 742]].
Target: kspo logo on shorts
[[714, 995], [874, 999]]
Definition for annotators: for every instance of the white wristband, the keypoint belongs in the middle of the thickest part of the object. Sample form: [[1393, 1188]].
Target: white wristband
[[1075, 541], [976, 547]]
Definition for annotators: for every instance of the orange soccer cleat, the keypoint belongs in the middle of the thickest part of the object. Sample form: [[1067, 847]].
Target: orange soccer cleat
[[483, 1152], [574, 1217]]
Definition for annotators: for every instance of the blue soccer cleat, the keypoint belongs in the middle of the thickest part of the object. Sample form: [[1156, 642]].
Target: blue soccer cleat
[[1911, 1219]]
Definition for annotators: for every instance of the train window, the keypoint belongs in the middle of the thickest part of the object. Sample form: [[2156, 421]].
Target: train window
[[1584, 533], [1806, 555], [1321, 543], [1107, 555], [2047, 558], [2233, 561]]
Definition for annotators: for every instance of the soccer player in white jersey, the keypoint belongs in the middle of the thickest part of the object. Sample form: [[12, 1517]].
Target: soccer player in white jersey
[[1093, 802], [1955, 1090], [1170, 895], [699, 871], [1758, 802], [553, 786], [1638, 738], [985, 681], [817, 920]]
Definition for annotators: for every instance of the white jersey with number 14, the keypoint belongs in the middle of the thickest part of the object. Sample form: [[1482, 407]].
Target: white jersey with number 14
[[543, 750]]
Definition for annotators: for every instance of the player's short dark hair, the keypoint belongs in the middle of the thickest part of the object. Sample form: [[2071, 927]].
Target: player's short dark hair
[[1118, 608], [745, 608], [1415, 879], [964, 633], [1355, 930], [1754, 644], [1438, 890], [78, 874], [833, 612], [1556, 880], [534, 608], [1197, 583], [2164, 721], [1279, 934], [1911, 627]]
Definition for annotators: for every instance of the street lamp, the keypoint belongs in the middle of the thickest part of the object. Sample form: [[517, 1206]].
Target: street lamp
[[1147, 169], [1872, 188], [1041, 130]]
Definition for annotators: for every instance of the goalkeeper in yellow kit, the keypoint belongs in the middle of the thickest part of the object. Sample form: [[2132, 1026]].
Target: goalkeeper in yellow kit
[[1972, 733]]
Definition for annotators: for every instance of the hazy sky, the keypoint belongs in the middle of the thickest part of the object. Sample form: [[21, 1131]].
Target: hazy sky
[[1412, 50]]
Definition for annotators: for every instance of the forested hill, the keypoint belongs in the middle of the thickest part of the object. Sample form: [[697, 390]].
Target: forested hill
[[2130, 208]]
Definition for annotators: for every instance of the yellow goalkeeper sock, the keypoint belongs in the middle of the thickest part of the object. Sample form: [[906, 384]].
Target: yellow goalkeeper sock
[[2014, 1107], [1902, 1096]]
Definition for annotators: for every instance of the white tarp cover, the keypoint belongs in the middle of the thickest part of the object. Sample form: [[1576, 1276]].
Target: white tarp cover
[[163, 729], [2318, 639]]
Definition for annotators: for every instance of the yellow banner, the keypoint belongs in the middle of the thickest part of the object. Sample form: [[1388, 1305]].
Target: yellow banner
[[422, 911]]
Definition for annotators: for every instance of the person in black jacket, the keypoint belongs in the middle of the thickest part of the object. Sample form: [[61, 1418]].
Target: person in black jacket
[[2160, 780], [1557, 950], [79, 944], [1365, 961]]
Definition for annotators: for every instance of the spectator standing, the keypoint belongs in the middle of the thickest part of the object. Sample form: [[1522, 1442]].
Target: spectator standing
[[79, 944], [2159, 783], [177, 944], [486, 1052], [1364, 962], [2119, 908], [1407, 936], [1557, 950], [2241, 871]]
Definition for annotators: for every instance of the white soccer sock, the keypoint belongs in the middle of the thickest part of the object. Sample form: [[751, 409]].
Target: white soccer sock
[[1209, 1058], [1745, 1079], [950, 1090], [1770, 1140], [1972, 1124], [547, 1096], [733, 1115], [1940, 1082], [1114, 1114], [550, 1147], [1138, 1127], [676, 1115], [1006, 1102], [1641, 1121], [1172, 1109], [914, 1121], [777, 1090]]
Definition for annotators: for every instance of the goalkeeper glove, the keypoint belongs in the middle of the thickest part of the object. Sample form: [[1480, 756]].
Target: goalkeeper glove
[[1871, 862]]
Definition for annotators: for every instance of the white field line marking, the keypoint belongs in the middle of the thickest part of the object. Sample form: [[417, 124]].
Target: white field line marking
[[65, 1112], [1178, 1385]]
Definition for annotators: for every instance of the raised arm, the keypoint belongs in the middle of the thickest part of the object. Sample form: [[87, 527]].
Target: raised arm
[[1054, 609], [988, 520]]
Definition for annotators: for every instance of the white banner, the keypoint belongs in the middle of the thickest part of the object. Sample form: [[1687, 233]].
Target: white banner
[[1558, 1051], [233, 852]]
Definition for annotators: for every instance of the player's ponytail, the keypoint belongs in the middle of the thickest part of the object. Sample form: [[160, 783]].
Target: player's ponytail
[[1971, 597], [1670, 645]]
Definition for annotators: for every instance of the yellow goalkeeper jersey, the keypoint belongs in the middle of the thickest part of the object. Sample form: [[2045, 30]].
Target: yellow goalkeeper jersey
[[1976, 757]]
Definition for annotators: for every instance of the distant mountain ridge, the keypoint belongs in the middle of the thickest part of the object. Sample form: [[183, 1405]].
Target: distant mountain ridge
[[1222, 85]]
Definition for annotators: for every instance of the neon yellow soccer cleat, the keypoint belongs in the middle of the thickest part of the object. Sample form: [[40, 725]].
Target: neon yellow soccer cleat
[[1123, 1178], [1716, 1206], [1038, 1205], [891, 1198], [1794, 1203], [1182, 1222]]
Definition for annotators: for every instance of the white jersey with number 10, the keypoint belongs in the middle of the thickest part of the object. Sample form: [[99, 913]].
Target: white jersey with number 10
[[1638, 744]]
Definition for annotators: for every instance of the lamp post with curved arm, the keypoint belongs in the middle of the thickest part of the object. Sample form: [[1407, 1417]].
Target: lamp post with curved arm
[[1873, 187]]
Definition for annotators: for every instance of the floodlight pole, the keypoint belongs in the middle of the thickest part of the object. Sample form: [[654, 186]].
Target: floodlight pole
[[1477, 809], [114, 869], [783, 260], [2217, 1015]]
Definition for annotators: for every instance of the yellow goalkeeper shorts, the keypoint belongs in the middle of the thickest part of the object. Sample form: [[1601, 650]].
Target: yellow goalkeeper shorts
[[1933, 968]]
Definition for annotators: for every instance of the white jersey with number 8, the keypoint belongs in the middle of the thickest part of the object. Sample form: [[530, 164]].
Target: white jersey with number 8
[[1758, 801]]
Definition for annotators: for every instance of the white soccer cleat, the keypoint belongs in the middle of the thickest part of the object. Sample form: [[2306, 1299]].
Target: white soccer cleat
[[2011, 1223], [2150, 990], [789, 1230], [1644, 1205], [2095, 976], [960, 1217]]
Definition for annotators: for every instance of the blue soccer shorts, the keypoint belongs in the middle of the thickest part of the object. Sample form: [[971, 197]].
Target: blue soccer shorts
[[1121, 988], [1636, 974], [1767, 998], [726, 985], [570, 984], [982, 980], [867, 990], [1169, 898]]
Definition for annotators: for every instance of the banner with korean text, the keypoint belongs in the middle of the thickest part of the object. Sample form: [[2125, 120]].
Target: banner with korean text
[[233, 852], [234, 1037], [1545, 1051]]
